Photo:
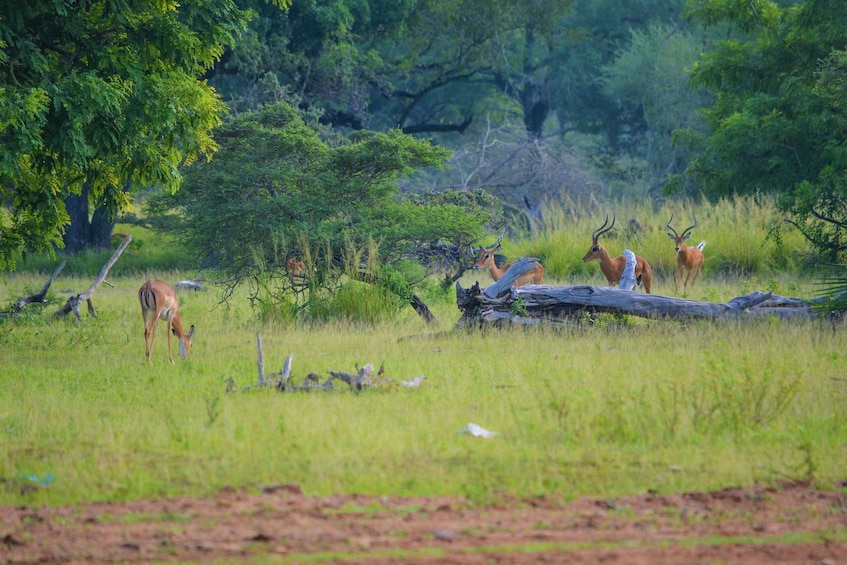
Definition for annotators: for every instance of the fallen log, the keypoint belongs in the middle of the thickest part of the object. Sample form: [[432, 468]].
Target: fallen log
[[40, 297], [533, 304]]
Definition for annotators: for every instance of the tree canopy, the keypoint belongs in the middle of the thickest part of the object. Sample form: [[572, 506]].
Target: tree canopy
[[101, 93], [778, 124], [277, 189]]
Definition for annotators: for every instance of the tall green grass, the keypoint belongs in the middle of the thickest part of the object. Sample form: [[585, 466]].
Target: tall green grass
[[739, 234], [601, 411], [148, 252]]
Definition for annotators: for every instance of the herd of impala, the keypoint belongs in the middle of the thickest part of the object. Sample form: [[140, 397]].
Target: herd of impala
[[689, 260], [158, 299]]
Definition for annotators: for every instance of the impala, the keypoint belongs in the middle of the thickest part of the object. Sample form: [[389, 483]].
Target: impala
[[158, 300], [486, 261], [295, 266], [613, 267], [688, 259]]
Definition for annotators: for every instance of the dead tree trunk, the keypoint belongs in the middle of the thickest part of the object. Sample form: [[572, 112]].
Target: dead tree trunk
[[532, 304], [72, 305], [39, 297]]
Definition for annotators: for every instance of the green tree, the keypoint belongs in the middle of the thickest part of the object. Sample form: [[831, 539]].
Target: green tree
[[778, 124], [102, 95], [648, 79], [424, 66], [277, 189], [598, 33]]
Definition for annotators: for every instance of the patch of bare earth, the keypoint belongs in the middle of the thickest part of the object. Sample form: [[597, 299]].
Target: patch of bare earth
[[790, 524]]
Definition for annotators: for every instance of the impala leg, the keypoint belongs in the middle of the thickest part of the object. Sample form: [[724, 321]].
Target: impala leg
[[152, 335], [170, 331], [148, 344], [696, 272], [676, 278]]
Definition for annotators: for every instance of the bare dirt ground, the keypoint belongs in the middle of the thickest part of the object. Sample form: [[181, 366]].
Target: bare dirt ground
[[793, 523]]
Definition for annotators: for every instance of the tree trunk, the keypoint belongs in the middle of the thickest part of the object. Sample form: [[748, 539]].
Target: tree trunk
[[86, 231], [76, 233]]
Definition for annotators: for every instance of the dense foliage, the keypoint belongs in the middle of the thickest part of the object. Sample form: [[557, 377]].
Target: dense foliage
[[778, 124], [103, 94], [277, 190], [540, 102]]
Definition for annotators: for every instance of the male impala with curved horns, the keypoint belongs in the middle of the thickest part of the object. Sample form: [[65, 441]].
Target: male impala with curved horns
[[486, 261], [687, 258], [159, 301], [613, 267]]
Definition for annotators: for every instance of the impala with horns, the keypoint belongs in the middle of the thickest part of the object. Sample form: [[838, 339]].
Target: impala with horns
[[688, 259], [486, 261], [613, 268], [158, 301]]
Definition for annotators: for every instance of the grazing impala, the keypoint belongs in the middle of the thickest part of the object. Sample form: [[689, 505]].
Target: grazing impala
[[613, 267], [159, 301], [688, 259], [486, 261]]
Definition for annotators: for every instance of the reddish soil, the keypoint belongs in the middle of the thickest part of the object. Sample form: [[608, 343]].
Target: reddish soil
[[790, 524]]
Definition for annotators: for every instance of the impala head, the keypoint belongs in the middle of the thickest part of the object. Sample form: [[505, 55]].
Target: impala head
[[185, 343], [295, 266], [486, 257], [596, 248], [679, 240]]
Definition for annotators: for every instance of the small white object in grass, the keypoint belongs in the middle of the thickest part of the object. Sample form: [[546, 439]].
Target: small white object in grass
[[414, 383], [476, 431]]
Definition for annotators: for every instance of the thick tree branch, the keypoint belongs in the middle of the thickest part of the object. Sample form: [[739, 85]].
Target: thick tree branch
[[72, 305]]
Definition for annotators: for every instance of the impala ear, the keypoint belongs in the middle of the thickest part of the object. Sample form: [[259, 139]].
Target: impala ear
[[670, 235], [686, 236], [191, 331]]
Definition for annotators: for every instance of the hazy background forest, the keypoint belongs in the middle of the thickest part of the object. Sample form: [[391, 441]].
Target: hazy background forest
[[252, 131]]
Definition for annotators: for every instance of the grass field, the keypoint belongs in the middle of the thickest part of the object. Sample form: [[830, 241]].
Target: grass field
[[603, 410]]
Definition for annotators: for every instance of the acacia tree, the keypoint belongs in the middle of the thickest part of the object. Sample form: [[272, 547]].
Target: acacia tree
[[103, 95], [778, 124], [277, 189]]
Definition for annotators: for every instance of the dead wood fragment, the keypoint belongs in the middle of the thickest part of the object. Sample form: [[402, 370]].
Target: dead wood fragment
[[72, 305], [260, 361], [39, 297], [282, 381], [194, 284]]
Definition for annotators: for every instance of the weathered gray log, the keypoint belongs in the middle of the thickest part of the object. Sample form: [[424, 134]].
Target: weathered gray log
[[518, 268], [72, 305], [39, 297], [531, 303]]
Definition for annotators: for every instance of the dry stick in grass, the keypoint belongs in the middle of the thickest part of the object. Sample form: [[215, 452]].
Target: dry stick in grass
[[284, 375], [260, 362], [364, 378], [74, 301]]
